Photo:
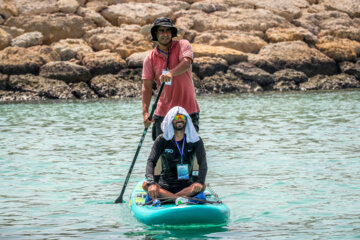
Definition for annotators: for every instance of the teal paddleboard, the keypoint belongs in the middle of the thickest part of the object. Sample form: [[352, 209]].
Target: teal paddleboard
[[214, 213]]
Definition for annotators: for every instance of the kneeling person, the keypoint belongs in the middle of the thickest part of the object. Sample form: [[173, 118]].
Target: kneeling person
[[177, 146]]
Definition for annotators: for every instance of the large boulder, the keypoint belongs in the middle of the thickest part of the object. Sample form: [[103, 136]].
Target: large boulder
[[126, 83], [54, 27], [42, 87], [275, 35], [11, 96], [238, 19], [207, 66], [283, 86], [288, 9], [136, 60], [249, 72], [68, 6], [288, 80], [13, 31], [343, 27], [333, 23], [123, 41], [102, 62], [28, 39], [82, 90], [8, 9], [232, 56], [228, 83], [36, 7], [351, 68], [290, 75], [209, 6], [240, 41], [18, 60], [184, 26], [340, 49], [351, 7], [296, 55], [135, 13], [175, 6], [94, 16], [322, 82], [69, 48], [96, 6], [65, 71]]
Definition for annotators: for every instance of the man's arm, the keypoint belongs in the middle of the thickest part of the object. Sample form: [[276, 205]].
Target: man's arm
[[201, 158], [179, 69], [146, 98]]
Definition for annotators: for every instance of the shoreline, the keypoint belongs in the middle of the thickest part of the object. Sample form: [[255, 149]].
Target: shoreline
[[199, 96]]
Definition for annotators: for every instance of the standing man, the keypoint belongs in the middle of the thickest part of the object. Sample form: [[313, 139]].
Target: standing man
[[170, 62]]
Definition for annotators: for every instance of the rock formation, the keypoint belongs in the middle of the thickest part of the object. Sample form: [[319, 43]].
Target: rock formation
[[85, 49]]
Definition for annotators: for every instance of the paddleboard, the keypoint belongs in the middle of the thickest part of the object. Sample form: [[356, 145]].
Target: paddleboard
[[214, 213]]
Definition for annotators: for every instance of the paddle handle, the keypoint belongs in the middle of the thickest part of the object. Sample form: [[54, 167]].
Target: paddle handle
[[120, 198], [156, 101]]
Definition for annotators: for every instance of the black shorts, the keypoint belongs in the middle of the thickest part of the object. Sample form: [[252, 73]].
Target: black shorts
[[156, 129], [174, 188]]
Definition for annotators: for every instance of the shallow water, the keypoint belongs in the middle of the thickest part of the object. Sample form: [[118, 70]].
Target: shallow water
[[286, 164]]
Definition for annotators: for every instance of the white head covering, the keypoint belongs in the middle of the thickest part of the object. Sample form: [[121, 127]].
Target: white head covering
[[168, 129]]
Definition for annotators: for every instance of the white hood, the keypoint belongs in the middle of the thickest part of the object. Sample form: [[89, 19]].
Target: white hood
[[168, 129]]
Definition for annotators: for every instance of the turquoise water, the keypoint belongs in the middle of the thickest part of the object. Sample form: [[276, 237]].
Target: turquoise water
[[286, 164]]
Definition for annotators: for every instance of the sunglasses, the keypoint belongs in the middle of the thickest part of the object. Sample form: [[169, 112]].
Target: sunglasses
[[180, 117]]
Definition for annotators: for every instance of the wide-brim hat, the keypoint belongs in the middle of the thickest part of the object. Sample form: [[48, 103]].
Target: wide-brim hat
[[162, 22]]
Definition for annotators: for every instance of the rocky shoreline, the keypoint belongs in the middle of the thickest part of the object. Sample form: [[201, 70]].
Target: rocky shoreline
[[89, 49]]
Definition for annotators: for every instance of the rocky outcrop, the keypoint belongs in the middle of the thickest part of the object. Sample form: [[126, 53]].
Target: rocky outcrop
[[102, 62], [351, 68], [85, 49], [18, 60], [232, 56], [124, 84], [41, 87], [321, 82], [70, 48], [208, 66], [135, 13], [295, 55], [240, 41], [54, 27], [66, 71], [123, 41]]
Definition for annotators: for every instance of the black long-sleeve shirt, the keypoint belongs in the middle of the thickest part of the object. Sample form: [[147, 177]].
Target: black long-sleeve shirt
[[170, 157]]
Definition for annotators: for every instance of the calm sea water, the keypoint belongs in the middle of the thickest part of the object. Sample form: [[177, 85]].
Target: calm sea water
[[286, 164]]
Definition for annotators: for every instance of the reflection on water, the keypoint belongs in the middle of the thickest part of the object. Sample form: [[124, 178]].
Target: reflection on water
[[285, 164]]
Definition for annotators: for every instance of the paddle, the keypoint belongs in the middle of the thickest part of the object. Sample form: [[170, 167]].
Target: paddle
[[120, 198]]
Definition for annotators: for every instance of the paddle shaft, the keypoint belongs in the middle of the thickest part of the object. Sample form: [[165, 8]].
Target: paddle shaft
[[120, 198]]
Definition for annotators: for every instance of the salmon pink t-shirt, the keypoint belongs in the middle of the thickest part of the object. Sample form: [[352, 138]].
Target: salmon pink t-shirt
[[181, 92]]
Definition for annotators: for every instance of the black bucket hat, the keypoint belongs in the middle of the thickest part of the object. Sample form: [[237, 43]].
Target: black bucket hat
[[162, 22]]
